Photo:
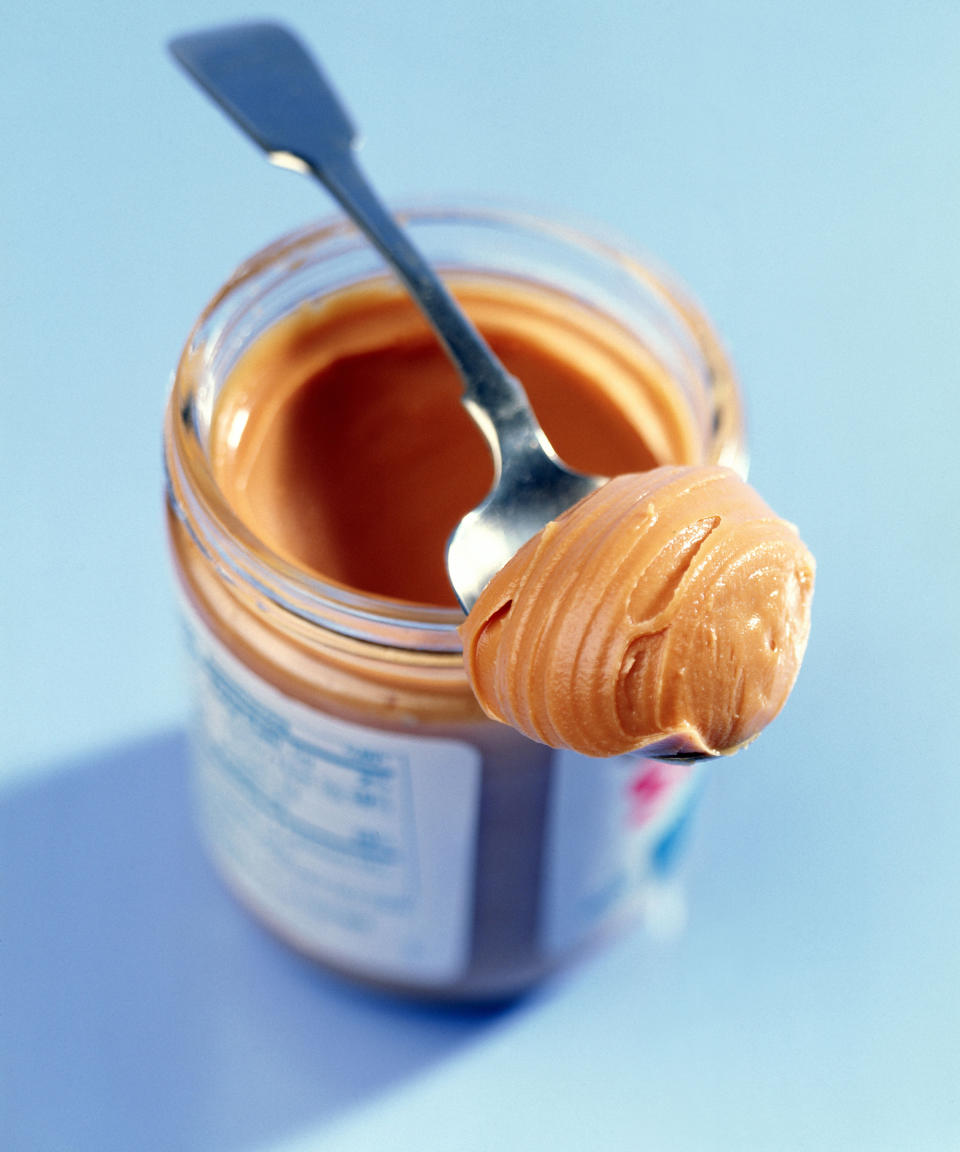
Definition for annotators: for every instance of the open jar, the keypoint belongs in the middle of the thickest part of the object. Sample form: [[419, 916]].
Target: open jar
[[350, 790]]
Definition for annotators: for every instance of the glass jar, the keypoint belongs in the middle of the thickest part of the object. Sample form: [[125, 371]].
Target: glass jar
[[350, 790]]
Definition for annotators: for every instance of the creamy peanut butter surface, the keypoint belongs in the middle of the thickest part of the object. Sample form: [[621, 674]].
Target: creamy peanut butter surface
[[668, 611], [340, 440]]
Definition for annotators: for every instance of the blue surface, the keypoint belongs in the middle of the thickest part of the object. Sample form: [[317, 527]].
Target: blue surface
[[798, 165]]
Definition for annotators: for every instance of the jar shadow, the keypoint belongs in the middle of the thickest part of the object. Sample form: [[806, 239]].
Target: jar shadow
[[140, 1005]]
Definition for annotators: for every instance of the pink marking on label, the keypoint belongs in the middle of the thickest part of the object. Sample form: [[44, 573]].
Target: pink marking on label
[[652, 786]]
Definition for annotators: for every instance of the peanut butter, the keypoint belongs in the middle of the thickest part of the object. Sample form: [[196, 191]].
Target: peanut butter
[[668, 611], [340, 439]]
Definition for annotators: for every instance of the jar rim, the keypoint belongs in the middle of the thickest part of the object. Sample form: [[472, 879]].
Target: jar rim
[[239, 552]]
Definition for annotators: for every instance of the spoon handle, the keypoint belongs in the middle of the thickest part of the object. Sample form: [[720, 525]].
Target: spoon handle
[[262, 76], [487, 384]]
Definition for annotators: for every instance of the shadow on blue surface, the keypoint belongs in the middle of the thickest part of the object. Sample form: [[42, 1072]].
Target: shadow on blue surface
[[141, 1008]]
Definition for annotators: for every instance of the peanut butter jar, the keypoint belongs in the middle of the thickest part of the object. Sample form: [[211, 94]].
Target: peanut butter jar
[[351, 792]]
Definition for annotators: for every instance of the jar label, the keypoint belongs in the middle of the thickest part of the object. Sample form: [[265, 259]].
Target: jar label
[[613, 830], [354, 843]]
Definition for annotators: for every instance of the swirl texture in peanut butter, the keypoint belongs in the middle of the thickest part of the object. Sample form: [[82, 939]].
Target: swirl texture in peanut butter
[[668, 611]]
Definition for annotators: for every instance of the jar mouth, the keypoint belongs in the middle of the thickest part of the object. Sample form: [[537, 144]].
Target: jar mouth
[[324, 257]]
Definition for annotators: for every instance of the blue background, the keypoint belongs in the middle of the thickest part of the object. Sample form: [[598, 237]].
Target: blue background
[[798, 165]]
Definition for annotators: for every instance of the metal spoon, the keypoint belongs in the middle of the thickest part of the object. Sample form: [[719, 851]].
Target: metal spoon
[[265, 80]]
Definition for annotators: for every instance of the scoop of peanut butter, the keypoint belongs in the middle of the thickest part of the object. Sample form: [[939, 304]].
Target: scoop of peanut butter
[[667, 611]]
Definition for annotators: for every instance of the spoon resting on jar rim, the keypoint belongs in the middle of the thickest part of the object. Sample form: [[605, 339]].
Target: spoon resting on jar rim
[[264, 79], [665, 612]]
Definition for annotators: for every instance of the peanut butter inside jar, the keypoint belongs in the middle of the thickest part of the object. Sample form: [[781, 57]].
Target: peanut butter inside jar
[[318, 457]]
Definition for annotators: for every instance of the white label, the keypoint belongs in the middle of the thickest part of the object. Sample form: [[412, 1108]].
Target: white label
[[611, 827], [356, 843]]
